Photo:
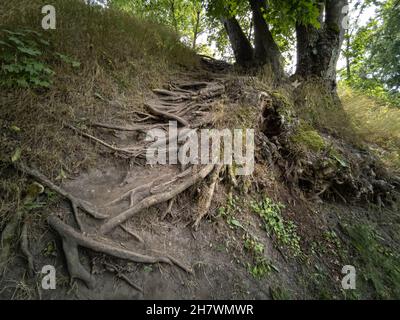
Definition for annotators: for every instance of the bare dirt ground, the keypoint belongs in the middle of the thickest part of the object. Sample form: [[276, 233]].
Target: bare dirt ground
[[218, 269], [212, 269], [127, 228]]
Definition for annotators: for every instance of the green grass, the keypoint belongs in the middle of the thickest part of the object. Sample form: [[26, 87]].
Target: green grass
[[377, 123], [50, 78], [378, 265]]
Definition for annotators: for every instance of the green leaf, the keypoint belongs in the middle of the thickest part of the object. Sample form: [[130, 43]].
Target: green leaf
[[236, 223], [16, 155], [17, 41], [30, 51], [15, 128]]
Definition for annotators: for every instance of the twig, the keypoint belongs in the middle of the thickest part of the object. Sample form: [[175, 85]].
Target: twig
[[167, 115]]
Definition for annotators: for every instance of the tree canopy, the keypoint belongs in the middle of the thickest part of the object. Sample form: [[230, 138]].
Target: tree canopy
[[258, 32], [372, 52]]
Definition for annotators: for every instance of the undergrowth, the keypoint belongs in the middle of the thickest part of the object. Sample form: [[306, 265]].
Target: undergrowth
[[97, 64], [378, 264], [283, 230], [376, 123], [258, 266]]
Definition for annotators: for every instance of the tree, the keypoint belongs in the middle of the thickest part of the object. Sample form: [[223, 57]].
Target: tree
[[318, 26], [185, 17], [372, 53], [318, 49]]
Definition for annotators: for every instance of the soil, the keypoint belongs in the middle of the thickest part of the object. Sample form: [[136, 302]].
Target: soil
[[215, 252]]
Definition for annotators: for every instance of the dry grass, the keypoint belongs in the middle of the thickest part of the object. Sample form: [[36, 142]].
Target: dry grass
[[377, 123], [317, 107], [121, 59]]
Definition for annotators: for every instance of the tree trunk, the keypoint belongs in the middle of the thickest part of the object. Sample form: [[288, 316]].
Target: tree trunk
[[196, 30], [266, 50], [318, 50], [241, 46]]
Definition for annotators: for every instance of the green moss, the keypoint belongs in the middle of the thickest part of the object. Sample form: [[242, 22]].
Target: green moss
[[285, 108], [307, 137]]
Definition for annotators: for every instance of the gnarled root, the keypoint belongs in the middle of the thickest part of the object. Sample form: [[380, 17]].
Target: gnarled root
[[24, 241], [155, 199], [72, 239], [207, 196], [169, 116]]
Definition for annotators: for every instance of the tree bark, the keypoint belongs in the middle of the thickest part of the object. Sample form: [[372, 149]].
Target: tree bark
[[266, 49], [241, 46], [196, 30], [318, 50]]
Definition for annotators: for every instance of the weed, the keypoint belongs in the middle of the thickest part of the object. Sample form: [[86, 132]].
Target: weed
[[50, 250], [379, 265], [279, 293], [260, 266], [376, 122], [275, 224], [23, 58], [228, 212]]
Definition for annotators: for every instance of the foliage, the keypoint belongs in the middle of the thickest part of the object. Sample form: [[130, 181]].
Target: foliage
[[372, 54], [275, 224], [260, 266], [24, 59], [375, 121], [378, 264], [186, 17], [22, 62]]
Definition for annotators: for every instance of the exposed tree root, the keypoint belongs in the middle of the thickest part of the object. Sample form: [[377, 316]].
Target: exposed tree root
[[147, 202], [341, 171], [133, 234], [133, 193], [25, 249], [10, 232], [169, 208], [75, 202], [192, 99], [166, 114], [120, 275], [207, 196], [72, 239], [142, 128], [129, 152]]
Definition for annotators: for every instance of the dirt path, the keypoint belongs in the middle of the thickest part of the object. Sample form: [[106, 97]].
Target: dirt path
[[143, 215]]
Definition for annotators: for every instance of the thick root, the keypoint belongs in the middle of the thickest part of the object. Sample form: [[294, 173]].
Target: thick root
[[166, 114], [207, 196], [155, 199], [72, 239], [25, 249]]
